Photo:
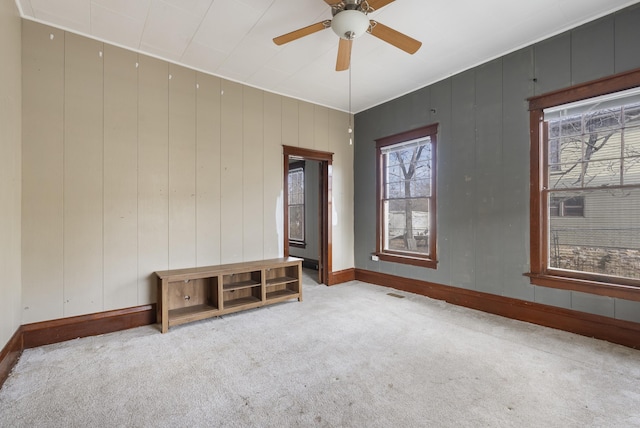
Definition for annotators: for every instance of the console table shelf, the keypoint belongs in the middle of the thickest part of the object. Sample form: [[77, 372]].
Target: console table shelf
[[186, 295]]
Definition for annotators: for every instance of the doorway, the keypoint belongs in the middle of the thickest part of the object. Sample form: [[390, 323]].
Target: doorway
[[322, 161]]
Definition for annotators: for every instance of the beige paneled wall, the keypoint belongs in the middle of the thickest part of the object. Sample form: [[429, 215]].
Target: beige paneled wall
[[10, 166], [182, 167], [42, 171], [338, 138], [153, 174], [83, 174], [208, 170], [133, 165], [120, 177]]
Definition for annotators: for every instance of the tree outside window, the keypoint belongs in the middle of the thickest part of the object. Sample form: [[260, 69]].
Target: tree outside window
[[407, 200], [586, 188]]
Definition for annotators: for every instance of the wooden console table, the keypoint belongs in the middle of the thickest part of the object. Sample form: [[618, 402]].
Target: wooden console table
[[186, 295]]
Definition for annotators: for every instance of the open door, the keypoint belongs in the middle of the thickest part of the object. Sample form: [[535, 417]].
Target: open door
[[324, 203]]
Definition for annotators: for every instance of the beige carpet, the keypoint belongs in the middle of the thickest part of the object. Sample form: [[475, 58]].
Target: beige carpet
[[348, 356]]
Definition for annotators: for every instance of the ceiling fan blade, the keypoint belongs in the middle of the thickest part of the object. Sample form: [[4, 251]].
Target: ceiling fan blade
[[395, 38], [297, 34], [377, 4], [344, 55], [332, 2]]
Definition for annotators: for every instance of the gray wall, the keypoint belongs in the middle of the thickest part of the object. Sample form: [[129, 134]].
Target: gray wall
[[311, 201], [483, 161]]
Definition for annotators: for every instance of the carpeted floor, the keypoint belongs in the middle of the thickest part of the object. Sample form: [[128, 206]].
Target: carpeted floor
[[347, 356]]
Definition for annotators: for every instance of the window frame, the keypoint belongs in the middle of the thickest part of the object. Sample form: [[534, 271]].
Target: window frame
[[427, 260], [294, 166], [540, 273], [564, 208]]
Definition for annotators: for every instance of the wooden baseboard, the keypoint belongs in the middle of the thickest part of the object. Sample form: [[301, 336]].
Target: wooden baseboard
[[342, 276], [54, 331], [10, 354], [612, 330]]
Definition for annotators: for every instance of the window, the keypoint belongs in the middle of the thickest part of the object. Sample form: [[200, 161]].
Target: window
[[586, 150], [566, 206], [296, 204], [407, 197]]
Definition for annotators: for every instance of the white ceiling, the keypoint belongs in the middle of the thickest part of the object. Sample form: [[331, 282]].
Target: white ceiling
[[233, 39]]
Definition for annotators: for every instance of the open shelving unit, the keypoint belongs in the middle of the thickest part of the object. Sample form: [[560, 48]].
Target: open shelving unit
[[282, 283], [186, 295]]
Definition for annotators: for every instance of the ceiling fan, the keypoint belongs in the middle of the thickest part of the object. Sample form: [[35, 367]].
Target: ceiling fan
[[350, 21]]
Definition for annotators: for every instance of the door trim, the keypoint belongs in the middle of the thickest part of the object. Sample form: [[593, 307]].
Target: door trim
[[326, 160]]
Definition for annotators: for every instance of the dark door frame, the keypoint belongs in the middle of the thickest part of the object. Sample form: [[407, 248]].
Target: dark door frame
[[326, 160]]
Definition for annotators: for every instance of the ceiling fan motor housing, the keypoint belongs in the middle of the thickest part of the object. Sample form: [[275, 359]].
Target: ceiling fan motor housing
[[349, 24]]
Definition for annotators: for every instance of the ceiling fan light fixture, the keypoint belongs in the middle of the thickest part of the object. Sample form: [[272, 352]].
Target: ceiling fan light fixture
[[349, 24]]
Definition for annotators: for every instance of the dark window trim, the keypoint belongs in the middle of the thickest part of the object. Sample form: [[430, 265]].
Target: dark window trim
[[540, 274], [430, 260]]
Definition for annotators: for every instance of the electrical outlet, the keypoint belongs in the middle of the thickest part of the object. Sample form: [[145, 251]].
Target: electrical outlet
[[374, 258]]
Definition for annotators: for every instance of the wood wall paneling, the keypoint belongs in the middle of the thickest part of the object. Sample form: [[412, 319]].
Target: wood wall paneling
[[253, 168], [627, 310], [488, 189], [290, 122], [42, 172], [232, 172], [306, 126], [463, 137], [10, 172], [517, 86], [600, 305], [552, 64], [153, 177], [592, 50], [343, 197], [364, 197], [627, 55], [139, 173], [120, 178], [484, 144], [321, 128], [83, 176], [182, 167], [272, 184], [208, 170], [440, 113]]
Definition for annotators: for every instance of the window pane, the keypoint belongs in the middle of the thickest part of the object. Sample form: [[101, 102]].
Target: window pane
[[408, 176], [296, 222], [606, 240], [401, 215], [296, 186], [631, 150], [296, 204], [594, 147], [566, 206]]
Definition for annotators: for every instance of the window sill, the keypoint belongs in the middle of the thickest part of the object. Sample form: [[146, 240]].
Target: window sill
[[620, 291], [297, 244], [408, 260]]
